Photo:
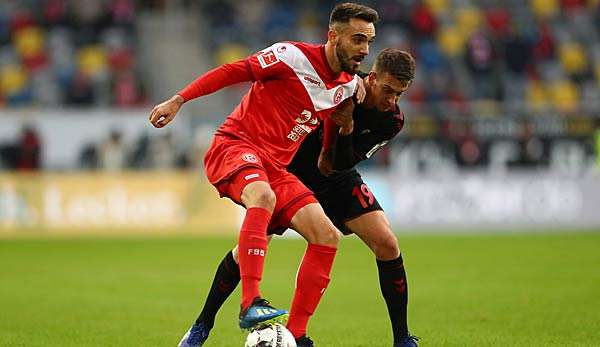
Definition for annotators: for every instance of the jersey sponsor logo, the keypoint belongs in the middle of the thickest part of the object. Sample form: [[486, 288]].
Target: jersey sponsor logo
[[249, 157], [301, 129], [338, 95], [298, 132], [281, 49], [267, 59], [312, 80], [293, 136]]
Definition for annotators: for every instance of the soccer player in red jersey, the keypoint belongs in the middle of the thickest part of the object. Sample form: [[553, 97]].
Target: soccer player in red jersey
[[295, 86]]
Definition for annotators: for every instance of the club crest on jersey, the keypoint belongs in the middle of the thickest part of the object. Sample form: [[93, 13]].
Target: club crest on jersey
[[249, 157], [338, 95], [267, 59]]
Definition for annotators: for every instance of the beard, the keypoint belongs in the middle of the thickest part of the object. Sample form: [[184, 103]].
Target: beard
[[346, 62]]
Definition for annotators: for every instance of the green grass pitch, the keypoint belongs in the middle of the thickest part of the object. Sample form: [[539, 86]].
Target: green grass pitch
[[465, 290]]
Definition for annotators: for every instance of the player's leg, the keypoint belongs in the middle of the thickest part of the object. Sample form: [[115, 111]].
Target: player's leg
[[259, 199], [353, 208], [227, 278], [374, 229], [224, 283], [298, 208], [314, 271], [238, 172]]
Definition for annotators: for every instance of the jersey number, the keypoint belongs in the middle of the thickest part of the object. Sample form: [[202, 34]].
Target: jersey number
[[363, 193]]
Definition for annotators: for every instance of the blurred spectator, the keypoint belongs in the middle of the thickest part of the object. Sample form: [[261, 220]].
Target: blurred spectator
[[140, 157], [423, 21], [163, 152], [80, 91], [24, 154], [517, 52], [482, 61], [113, 153], [29, 150], [126, 91], [88, 158], [544, 46]]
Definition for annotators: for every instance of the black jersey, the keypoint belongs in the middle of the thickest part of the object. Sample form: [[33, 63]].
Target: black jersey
[[372, 130]]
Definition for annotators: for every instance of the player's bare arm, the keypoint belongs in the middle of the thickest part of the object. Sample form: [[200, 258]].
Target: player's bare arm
[[361, 91], [344, 124], [342, 116], [208, 83], [163, 113]]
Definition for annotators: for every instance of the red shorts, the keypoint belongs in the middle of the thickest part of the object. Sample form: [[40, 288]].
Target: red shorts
[[231, 164]]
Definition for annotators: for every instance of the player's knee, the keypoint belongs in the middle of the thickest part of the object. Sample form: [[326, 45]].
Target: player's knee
[[386, 247], [328, 236], [264, 198]]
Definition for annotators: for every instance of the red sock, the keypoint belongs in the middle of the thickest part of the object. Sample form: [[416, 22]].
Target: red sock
[[252, 248], [311, 282]]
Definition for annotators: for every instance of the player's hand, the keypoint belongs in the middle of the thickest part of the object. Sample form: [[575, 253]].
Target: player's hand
[[342, 116], [361, 91], [162, 114], [325, 163]]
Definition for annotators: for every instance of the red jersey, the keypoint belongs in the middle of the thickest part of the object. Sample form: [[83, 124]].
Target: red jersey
[[293, 90]]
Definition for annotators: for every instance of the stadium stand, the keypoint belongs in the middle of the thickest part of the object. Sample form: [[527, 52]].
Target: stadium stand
[[537, 53], [56, 53]]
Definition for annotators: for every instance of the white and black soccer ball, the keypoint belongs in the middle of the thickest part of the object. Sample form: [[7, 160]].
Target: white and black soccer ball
[[275, 335]]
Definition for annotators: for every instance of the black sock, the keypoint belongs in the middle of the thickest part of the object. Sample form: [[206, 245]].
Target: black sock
[[394, 288], [224, 283]]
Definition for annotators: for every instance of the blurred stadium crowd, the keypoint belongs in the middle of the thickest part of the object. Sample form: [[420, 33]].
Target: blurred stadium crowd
[[509, 81], [57, 52], [541, 54]]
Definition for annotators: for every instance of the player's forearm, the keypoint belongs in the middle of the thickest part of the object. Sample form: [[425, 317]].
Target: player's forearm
[[216, 79], [343, 153], [178, 99]]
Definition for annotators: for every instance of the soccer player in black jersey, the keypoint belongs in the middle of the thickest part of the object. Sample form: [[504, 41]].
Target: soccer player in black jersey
[[328, 170]]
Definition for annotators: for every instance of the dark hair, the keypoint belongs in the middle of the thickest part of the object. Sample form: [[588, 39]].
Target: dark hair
[[399, 64], [342, 13]]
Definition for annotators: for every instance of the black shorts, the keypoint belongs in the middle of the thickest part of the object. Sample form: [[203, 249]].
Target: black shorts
[[344, 199]]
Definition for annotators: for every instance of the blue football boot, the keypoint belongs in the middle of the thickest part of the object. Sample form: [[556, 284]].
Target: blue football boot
[[409, 341], [260, 314], [195, 337]]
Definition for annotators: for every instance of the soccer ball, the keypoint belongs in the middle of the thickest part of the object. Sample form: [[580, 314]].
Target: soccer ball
[[275, 335]]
